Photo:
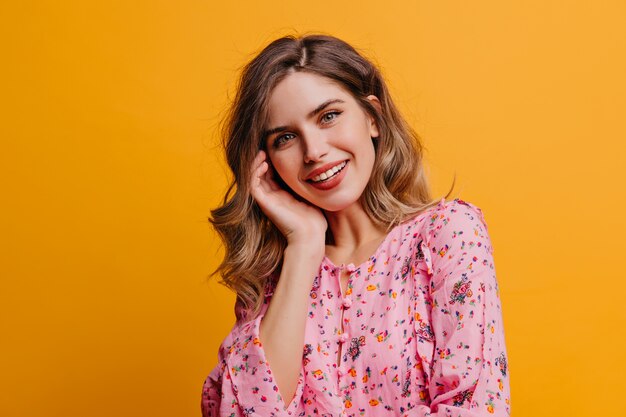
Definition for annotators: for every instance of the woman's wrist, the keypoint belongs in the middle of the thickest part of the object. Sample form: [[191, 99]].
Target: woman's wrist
[[304, 250]]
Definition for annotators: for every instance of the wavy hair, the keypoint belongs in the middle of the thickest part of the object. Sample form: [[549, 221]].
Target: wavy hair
[[397, 190]]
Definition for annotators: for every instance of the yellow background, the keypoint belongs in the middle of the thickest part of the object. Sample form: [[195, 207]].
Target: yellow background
[[109, 167]]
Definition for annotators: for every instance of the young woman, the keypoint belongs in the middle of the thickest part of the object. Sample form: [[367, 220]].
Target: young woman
[[358, 294]]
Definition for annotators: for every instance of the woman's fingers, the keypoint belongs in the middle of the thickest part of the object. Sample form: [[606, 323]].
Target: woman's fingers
[[269, 177], [258, 181], [263, 174], [293, 216], [262, 181]]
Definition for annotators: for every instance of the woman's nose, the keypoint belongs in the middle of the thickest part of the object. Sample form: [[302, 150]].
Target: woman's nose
[[315, 147]]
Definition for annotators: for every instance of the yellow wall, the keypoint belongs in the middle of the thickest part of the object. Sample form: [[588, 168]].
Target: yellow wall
[[109, 168]]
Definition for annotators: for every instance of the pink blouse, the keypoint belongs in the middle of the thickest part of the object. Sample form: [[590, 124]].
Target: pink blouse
[[422, 333]]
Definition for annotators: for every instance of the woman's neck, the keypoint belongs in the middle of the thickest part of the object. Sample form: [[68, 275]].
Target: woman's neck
[[354, 235]]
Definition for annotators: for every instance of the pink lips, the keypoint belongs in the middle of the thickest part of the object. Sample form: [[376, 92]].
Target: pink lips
[[333, 181]]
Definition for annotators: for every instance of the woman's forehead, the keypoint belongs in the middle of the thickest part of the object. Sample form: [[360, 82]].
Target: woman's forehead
[[299, 93]]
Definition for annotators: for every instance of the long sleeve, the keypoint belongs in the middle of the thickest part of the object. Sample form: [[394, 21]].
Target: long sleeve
[[217, 391], [212, 395], [242, 383], [468, 375]]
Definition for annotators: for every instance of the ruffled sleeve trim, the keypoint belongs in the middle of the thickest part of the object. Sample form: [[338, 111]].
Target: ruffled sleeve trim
[[252, 379], [424, 224]]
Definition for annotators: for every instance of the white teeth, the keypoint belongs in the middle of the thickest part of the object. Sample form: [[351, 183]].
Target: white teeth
[[325, 175]]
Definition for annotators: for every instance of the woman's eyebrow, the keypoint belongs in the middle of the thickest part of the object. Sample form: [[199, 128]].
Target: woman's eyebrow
[[324, 105], [314, 112]]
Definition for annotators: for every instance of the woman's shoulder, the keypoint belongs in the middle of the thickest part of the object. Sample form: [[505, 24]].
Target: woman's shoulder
[[456, 213], [446, 228]]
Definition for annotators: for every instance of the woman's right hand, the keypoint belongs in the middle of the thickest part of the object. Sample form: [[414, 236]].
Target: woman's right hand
[[299, 221]]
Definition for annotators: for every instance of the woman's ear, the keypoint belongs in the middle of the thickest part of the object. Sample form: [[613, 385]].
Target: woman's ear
[[374, 101]]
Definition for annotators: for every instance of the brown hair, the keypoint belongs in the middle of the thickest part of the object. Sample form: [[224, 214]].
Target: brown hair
[[397, 190]]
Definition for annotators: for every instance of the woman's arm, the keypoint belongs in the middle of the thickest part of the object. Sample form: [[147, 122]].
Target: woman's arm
[[243, 383], [282, 328], [468, 372]]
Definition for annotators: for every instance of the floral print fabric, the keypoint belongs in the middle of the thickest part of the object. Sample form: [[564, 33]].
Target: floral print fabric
[[419, 331]]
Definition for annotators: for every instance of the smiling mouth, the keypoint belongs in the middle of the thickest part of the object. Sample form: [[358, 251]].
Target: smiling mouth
[[325, 176]]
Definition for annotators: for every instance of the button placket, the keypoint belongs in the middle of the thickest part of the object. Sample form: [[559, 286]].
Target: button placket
[[347, 300], [346, 303]]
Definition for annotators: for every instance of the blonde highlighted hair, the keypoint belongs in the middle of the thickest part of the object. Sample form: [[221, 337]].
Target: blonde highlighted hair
[[397, 190]]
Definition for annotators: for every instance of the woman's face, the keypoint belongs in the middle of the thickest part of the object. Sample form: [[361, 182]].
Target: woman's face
[[319, 140]]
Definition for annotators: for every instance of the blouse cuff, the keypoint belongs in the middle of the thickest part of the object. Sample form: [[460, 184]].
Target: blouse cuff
[[252, 380]]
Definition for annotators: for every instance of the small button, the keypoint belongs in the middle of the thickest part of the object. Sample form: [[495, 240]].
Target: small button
[[347, 302], [350, 267], [343, 337]]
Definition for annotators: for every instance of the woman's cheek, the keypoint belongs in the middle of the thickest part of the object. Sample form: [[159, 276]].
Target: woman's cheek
[[288, 175]]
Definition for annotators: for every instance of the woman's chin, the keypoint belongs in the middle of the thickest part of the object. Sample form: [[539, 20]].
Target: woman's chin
[[337, 205]]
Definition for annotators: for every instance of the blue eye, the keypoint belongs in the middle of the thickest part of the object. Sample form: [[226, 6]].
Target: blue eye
[[334, 114], [281, 140]]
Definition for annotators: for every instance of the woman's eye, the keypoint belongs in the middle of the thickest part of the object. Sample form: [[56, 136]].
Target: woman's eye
[[281, 140], [330, 116]]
